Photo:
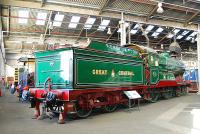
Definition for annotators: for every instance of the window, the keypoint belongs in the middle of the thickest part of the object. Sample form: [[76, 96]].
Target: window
[[103, 25], [149, 28], [133, 31], [157, 32], [58, 20], [89, 23], [179, 37], [188, 38], [74, 21], [185, 32], [23, 16], [41, 17], [174, 32]]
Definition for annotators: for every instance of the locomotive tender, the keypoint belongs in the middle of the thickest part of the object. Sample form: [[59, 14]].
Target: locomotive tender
[[77, 80]]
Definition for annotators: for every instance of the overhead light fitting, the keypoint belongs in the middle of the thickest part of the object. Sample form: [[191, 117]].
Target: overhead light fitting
[[50, 25], [88, 40], [155, 37], [109, 31], [41, 36], [193, 40], [162, 46], [160, 9], [175, 47]]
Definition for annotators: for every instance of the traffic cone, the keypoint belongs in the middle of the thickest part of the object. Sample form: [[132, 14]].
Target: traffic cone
[[36, 114], [61, 119]]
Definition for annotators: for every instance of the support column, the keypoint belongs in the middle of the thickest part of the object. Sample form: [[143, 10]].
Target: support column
[[198, 56], [2, 59], [2, 50], [129, 33], [123, 30]]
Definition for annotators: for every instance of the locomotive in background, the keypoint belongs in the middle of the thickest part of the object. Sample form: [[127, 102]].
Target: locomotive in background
[[77, 80], [24, 78]]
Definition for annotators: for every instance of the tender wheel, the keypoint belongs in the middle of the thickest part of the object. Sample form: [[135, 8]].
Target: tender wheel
[[83, 107], [110, 108], [154, 97], [168, 94], [83, 113], [184, 90], [178, 92]]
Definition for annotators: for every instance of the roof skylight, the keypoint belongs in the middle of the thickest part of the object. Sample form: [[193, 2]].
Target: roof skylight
[[170, 35], [157, 32], [185, 32], [149, 28], [188, 38], [103, 25], [193, 34], [119, 30], [89, 23], [74, 21], [23, 16], [134, 31], [136, 26], [58, 20], [41, 17], [175, 31], [179, 37]]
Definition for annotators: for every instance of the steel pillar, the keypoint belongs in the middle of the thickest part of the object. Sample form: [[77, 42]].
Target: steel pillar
[[2, 50], [123, 30]]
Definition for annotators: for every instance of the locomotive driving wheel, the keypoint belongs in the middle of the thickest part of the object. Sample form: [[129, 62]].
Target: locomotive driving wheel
[[184, 90], [168, 94], [154, 96], [111, 105], [83, 107], [178, 91], [110, 108]]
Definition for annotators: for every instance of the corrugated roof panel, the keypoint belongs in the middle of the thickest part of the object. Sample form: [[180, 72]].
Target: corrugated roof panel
[[130, 6]]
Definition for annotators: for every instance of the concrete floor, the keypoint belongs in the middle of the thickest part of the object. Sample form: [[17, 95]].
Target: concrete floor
[[179, 115]]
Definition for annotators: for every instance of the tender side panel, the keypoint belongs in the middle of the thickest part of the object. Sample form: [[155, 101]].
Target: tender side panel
[[98, 72]]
